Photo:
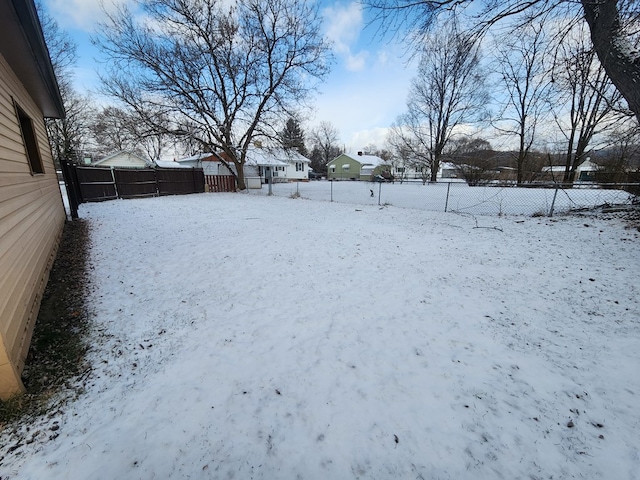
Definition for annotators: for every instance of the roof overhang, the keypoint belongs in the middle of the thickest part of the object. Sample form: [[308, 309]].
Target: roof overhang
[[23, 47]]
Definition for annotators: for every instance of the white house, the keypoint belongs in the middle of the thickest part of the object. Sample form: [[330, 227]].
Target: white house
[[298, 165], [123, 159], [584, 172], [262, 161], [447, 171], [285, 165]]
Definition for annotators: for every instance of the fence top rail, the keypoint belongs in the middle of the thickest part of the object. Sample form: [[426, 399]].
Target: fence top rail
[[577, 185]]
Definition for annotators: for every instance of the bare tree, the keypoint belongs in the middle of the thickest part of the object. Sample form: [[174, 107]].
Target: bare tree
[[67, 135], [115, 129], [593, 103], [621, 161], [473, 159], [410, 146], [324, 139], [406, 154], [447, 92], [112, 131], [524, 74], [227, 72], [612, 24]]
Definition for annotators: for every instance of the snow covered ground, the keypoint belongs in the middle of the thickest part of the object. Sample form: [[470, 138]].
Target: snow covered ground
[[243, 336]]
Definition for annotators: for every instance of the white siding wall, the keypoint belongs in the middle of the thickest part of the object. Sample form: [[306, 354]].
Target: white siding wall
[[31, 221], [293, 175]]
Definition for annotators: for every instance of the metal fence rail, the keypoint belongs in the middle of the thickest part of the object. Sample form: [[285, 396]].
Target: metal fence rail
[[492, 199]]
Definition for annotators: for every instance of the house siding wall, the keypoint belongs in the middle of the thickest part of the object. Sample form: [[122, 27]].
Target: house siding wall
[[340, 173], [295, 175], [31, 221]]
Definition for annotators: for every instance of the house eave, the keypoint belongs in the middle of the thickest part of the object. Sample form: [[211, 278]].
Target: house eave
[[23, 47]]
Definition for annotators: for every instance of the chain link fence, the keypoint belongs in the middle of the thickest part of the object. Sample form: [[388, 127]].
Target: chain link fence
[[491, 199]]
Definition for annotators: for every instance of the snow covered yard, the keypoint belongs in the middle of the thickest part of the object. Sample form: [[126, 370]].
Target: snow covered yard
[[241, 336]]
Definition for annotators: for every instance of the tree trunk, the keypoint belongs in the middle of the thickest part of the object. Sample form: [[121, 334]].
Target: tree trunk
[[618, 57], [242, 185], [435, 166]]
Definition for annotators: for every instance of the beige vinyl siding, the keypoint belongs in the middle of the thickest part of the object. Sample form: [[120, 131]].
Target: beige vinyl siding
[[31, 221]]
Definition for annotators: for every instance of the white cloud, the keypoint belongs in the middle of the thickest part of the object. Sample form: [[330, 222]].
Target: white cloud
[[360, 139], [363, 104], [344, 25], [80, 14]]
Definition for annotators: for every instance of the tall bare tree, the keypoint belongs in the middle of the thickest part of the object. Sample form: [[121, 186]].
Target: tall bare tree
[[521, 60], [229, 70], [408, 149], [114, 129], [325, 147], [447, 92], [593, 103], [612, 24], [67, 135]]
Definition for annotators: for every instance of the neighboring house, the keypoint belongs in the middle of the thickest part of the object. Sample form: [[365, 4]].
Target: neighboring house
[[585, 172], [261, 161], [298, 164], [123, 160], [32, 214], [209, 162], [446, 172], [356, 167], [285, 165]]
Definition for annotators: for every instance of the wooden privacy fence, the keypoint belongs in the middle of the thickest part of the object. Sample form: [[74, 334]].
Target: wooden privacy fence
[[220, 183], [130, 183], [94, 184]]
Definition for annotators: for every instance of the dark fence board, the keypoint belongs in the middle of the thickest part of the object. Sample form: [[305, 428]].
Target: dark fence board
[[179, 181], [135, 183], [96, 184], [99, 183]]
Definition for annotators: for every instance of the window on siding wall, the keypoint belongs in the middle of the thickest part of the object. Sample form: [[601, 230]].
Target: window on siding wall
[[30, 141]]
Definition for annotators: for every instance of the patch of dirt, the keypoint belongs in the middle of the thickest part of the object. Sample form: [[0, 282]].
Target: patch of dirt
[[56, 356], [629, 214]]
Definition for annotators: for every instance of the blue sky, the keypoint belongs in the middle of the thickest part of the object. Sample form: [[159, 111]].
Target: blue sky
[[362, 96]]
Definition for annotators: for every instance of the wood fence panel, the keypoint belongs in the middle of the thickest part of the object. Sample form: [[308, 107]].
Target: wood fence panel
[[96, 184], [179, 181], [135, 183], [198, 179], [220, 183]]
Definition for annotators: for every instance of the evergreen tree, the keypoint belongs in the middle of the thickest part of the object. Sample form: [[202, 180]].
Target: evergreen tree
[[292, 137]]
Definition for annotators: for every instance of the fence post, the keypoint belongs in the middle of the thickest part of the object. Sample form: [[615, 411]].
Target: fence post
[[446, 202], [379, 191], [71, 184], [553, 202], [331, 182]]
